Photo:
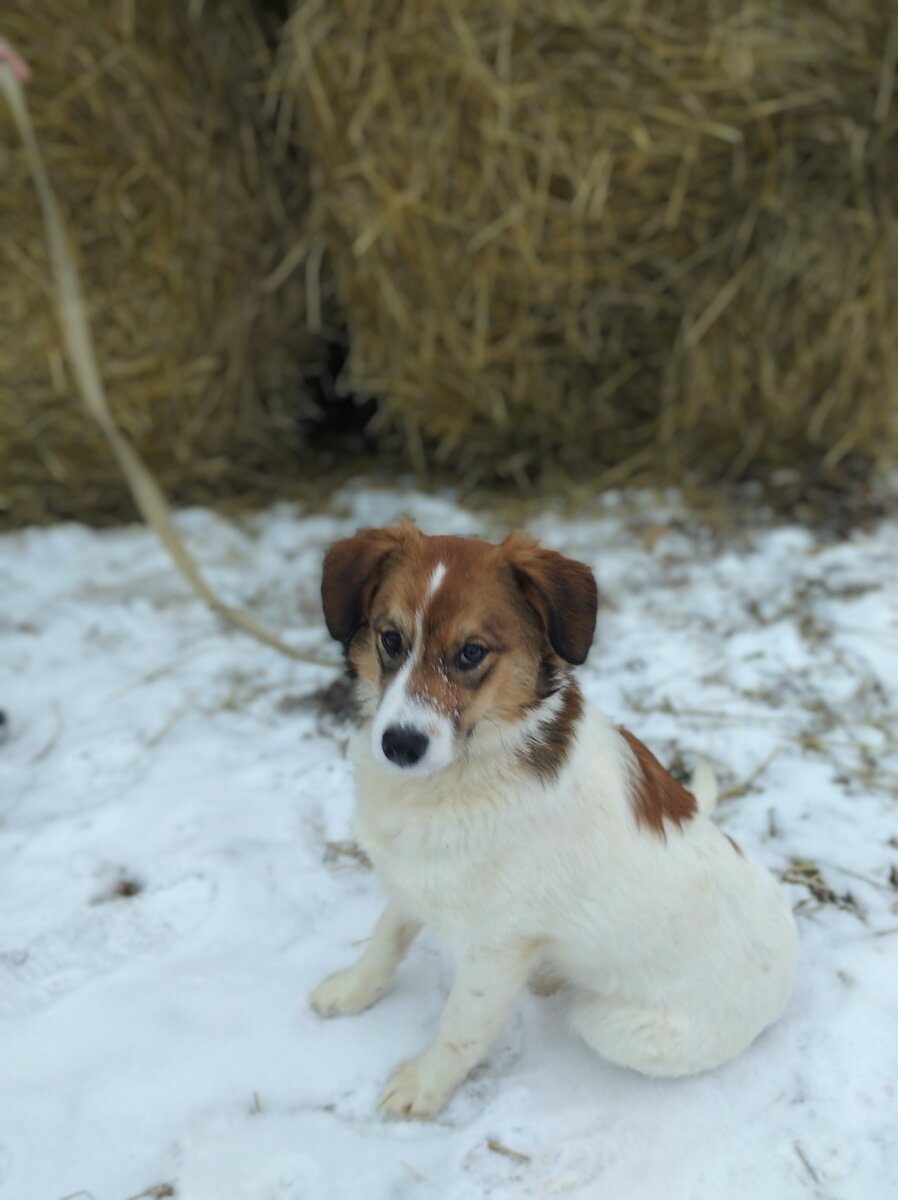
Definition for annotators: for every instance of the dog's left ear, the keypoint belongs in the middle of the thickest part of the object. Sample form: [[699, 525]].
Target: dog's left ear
[[352, 570], [562, 591]]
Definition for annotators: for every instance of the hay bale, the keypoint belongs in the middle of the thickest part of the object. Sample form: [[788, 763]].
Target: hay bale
[[150, 120], [633, 239]]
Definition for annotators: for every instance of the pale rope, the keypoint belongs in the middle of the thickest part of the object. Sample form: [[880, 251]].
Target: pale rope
[[79, 348]]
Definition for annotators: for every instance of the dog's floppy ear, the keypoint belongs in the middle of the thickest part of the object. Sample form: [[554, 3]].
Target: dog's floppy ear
[[561, 591], [352, 570]]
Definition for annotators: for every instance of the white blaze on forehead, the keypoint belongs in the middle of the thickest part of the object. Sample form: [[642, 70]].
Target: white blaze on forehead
[[439, 574], [399, 706]]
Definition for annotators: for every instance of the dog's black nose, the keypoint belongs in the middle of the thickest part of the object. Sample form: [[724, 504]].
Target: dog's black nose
[[403, 745]]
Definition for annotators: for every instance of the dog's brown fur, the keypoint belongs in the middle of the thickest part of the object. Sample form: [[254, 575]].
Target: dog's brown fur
[[657, 797]]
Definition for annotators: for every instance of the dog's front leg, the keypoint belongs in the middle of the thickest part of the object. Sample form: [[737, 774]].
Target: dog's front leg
[[361, 985], [487, 981]]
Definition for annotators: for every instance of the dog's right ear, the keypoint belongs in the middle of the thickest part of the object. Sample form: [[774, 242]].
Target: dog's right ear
[[352, 570]]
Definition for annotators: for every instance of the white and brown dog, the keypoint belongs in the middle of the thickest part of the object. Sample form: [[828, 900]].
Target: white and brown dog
[[542, 842]]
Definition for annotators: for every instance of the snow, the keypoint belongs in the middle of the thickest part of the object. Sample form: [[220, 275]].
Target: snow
[[161, 1039]]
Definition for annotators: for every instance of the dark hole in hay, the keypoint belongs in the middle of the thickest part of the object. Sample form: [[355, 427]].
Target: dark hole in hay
[[278, 10], [335, 417]]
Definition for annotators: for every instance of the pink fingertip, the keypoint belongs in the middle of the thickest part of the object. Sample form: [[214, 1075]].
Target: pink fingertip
[[15, 60]]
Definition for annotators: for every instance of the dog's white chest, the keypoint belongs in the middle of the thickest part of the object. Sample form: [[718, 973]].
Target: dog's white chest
[[460, 862], [444, 883]]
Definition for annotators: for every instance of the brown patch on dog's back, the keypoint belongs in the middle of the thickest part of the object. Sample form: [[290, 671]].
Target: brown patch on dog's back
[[656, 795], [546, 750]]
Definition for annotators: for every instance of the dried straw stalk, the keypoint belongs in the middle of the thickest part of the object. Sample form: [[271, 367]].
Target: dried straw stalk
[[81, 356]]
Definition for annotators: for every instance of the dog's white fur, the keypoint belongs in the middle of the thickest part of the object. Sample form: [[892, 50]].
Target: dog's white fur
[[678, 949]]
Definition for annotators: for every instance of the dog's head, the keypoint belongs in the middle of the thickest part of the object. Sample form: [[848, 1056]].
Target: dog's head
[[446, 633]]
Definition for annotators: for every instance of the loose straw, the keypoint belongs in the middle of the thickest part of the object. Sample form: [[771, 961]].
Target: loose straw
[[79, 347]]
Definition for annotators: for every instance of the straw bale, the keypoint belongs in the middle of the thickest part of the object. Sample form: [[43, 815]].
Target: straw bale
[[150, 120], [622, 238]]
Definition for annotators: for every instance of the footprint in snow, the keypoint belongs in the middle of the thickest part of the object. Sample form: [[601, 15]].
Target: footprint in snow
[[97, 941]]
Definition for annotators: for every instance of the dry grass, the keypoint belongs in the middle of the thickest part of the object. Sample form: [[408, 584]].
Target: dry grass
[[620, 239], [820, 894], [182, 209]]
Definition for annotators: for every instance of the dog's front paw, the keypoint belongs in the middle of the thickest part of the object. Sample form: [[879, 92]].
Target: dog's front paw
[[344, 993], [415, 1090]]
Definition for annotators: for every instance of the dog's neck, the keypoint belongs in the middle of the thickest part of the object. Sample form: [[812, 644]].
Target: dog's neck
[[544, 748]]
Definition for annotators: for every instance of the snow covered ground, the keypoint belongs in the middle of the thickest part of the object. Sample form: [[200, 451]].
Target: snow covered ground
[[176, 873]]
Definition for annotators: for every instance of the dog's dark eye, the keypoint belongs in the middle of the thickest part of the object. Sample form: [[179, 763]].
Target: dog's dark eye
[[470, 656], [391, 642]]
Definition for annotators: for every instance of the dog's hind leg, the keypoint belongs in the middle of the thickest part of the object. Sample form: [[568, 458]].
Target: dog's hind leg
[[651, 1041]]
